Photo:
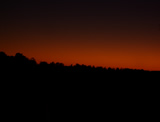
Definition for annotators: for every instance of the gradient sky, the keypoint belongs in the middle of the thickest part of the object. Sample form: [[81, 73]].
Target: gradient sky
[[109, 33]]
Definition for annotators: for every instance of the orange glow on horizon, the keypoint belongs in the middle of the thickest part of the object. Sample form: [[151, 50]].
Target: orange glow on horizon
[[104, 33], [134, 55]]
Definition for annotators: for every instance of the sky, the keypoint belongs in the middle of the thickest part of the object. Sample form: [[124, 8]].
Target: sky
[[107, 33]]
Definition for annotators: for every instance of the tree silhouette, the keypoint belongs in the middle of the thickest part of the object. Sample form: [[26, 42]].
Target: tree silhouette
[[43, 92]]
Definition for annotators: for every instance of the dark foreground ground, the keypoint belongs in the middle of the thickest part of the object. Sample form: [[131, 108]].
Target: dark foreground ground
[[32, 92]]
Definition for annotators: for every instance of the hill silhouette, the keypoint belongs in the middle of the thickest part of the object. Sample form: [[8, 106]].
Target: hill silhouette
[[45, 92]]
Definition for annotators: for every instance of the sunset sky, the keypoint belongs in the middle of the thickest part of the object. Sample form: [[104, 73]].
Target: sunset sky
[[107, 33]]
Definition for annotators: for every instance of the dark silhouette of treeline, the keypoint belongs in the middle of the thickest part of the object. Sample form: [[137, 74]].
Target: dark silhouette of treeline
[[45, 92], [29, 68], [20, 62]]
